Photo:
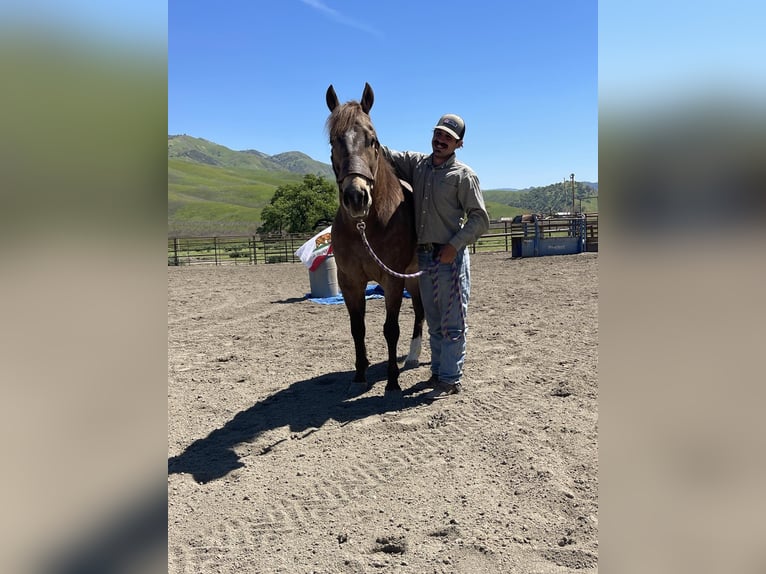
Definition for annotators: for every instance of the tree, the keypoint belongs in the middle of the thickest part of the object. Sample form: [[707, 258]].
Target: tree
[[296, 208]]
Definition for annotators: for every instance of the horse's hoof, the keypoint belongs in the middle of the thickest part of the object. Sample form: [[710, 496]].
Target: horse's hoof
[[394, 399], [411, 363]]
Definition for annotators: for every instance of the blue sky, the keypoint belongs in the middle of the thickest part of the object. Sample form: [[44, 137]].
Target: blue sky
[[253, 75]]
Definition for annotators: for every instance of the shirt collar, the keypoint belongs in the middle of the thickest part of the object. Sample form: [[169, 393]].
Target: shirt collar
[[450, 161]]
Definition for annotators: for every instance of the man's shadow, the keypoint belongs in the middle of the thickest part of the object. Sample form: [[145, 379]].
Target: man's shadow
[[303, 405]]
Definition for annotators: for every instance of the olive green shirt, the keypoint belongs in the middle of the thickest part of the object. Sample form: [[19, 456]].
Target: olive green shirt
[[449, 205]]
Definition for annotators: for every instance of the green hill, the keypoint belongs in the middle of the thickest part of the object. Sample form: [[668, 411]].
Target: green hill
[[205, 199], [546, 199], [214, 190], [201, 151]]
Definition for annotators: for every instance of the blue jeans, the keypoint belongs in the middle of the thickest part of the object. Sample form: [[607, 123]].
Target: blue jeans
[[445, 289]]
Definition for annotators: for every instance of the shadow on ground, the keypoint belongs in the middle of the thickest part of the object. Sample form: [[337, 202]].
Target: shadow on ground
[[304, 405]]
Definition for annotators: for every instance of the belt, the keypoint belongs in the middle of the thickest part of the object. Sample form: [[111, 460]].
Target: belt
[[429, 247]]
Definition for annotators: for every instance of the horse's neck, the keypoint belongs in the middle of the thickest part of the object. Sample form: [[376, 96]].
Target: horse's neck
[[387, 193]]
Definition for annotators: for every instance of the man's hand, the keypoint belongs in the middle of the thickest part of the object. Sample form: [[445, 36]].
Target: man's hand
[[447, 253]]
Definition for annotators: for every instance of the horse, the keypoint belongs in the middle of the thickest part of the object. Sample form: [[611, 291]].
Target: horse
[[373, 233]]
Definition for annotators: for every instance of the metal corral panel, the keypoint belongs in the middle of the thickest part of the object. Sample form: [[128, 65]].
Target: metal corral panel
[[560, 245], [539, 238], [528, 248]]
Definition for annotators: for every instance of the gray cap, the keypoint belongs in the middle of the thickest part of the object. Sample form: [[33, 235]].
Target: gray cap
[[452, 124]]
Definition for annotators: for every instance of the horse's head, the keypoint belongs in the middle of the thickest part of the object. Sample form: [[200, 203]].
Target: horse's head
[[355, 151]]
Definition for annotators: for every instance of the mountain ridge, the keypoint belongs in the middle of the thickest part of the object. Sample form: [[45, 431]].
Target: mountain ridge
[[200, 150], [213, 189]]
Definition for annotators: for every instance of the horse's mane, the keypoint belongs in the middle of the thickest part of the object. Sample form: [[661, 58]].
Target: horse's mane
[[343, 118]]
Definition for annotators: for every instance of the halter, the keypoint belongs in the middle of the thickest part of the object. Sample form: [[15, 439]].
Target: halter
[[355, 165]]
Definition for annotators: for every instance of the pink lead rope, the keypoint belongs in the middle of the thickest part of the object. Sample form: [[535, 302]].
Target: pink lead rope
[[432, 271]]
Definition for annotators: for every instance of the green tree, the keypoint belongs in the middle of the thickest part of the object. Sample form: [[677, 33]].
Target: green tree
[[296, 208]]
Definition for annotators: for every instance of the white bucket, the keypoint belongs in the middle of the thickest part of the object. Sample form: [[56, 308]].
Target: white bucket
[[324, 279]]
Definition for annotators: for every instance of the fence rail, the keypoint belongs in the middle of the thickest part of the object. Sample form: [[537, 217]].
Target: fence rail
[[255, 250]]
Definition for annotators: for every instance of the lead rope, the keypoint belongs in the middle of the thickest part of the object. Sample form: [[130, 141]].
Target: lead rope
[[454, 296], [433, 272], [361, 227]]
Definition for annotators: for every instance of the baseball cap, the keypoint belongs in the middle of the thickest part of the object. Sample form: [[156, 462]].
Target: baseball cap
[[452, 124]]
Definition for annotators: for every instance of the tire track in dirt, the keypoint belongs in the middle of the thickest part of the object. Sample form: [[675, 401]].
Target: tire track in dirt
[[355, 480], [320, 478], [429, 434]]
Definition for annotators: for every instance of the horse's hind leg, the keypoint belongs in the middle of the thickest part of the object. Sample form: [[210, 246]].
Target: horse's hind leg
[[416, 343], [391, 332]]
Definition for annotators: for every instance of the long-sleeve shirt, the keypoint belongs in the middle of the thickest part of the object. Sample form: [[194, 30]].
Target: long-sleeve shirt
[[449, 205]]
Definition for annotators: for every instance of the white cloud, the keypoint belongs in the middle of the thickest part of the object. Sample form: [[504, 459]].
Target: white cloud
[[340, 18]]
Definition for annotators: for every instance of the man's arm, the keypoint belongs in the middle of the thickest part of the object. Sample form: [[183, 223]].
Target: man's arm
[[403, 161], [477, 218]]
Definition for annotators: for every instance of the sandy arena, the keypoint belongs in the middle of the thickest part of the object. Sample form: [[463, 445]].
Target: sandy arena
[[273, 468]]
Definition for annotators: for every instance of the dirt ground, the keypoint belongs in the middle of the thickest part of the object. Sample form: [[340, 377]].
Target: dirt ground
[[273, 468]]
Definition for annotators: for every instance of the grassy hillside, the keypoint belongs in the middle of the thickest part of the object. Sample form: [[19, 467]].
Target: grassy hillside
[[205, 199], [546, 199], [497, 210], [213, 190], [201, 151]]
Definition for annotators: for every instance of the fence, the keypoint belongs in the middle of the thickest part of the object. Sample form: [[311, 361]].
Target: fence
[[234, 250], [253, 250]]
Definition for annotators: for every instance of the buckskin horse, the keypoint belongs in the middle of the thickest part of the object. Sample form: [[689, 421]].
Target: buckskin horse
[[373, 233]]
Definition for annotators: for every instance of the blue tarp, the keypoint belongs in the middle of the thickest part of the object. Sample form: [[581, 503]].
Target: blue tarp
[[372, 292]]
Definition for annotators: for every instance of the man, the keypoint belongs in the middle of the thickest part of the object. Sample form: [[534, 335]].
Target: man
[[449, 215]]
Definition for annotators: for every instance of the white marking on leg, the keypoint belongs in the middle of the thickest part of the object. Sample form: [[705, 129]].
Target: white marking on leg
[[413, 359]]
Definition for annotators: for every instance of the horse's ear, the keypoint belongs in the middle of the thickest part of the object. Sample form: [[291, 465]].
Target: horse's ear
[[368, 97], [332, 98]]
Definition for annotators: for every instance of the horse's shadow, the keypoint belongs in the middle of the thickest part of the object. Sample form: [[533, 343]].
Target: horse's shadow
[[304, 405]]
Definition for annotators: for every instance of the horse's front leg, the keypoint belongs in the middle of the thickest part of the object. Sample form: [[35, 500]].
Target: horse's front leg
[[391, 333], [358, 332], [352, 286]]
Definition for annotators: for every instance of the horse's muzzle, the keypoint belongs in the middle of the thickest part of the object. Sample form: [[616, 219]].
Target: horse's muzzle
[[357, 198]]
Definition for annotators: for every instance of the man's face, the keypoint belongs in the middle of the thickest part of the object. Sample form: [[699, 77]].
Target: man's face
[[443, 144]]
